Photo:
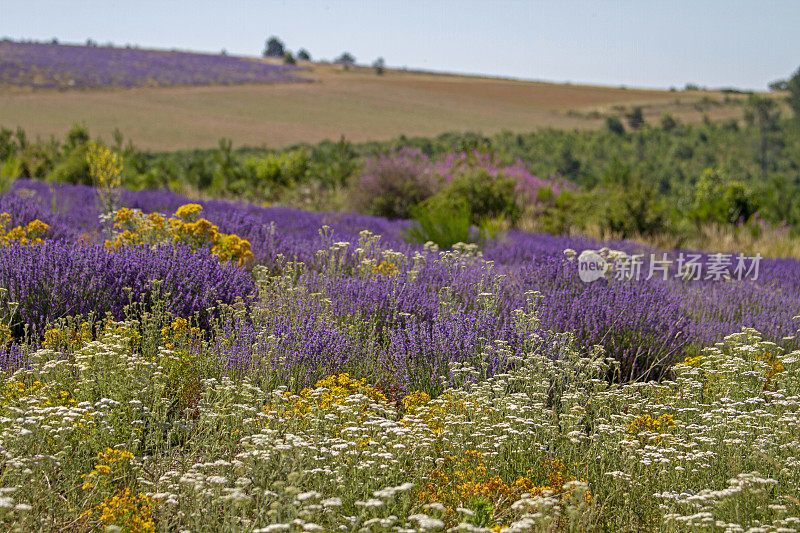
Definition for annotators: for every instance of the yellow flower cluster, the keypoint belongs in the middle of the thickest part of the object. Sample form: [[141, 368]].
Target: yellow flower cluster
[[179, 334], [12, 391], [130, 511], [433, 413], [68, 340], [5, 334], [463, 481], [133, 227], [661, 425], [415, 400], [105, 166], [109, 460], [329, 391], [692, 361], [188, 211], [775, 365], [29, 235], [339, 388], [385, 268]]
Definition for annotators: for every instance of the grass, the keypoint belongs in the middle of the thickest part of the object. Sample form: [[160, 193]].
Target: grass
[[356, 103]]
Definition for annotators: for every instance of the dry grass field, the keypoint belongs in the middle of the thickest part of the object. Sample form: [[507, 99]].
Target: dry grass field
[[357, 104]]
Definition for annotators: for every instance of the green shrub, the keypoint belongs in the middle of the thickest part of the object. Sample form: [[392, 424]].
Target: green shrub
[[486, 196], [719, 199], [443, 223], [278, 170], [74, 168], [9, 171], [614, 125]]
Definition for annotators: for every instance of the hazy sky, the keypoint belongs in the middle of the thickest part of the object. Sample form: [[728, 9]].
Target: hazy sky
[[644, 43]]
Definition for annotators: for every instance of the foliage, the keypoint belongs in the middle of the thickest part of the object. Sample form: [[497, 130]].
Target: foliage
[[793, 86], [668, 122], [346, 59], [778, 85], [379, 65], [670, 160], [717, 199], [443, 223], [274, 47], [635, 118], [10, 170], [614, 125], [486, 196]]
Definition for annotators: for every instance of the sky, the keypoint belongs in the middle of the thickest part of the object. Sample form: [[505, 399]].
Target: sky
[[644, 43]]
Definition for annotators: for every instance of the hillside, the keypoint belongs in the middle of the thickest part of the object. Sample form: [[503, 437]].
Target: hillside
[[356, 103]]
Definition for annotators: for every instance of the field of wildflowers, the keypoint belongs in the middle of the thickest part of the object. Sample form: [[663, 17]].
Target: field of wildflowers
[[171, 365], [59, 66]]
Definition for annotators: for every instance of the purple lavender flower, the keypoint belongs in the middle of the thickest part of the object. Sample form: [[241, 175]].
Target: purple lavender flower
[[48, 66]]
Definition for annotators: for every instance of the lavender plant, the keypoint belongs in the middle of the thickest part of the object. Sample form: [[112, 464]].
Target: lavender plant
[[58, 66]]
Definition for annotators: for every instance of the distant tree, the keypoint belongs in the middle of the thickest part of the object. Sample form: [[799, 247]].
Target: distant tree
[[90, 42], [346, 59], [288, 58], [223, 52], [635, 118], [614, 125], [779, 85], [668, 123], [691, 87], [379, 65], [793, 86], [303, 54], [763, 115], [274, 47]]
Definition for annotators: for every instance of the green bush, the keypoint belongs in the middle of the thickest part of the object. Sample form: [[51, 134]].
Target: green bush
[[486, 196], [614, 125], [279, 170], [721, 200], [443, 223], [9, 171], [633, 210], [74, 168]]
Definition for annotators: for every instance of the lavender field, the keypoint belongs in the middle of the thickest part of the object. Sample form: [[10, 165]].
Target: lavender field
[[59, 66], [173, 365]]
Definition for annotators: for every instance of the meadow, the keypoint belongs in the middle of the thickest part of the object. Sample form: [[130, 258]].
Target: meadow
[[173, 365]]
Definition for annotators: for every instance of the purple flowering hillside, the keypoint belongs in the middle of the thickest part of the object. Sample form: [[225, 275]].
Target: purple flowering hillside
[[51, 66]]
